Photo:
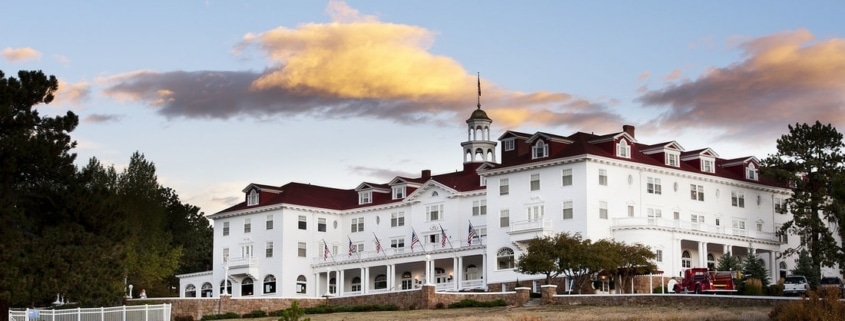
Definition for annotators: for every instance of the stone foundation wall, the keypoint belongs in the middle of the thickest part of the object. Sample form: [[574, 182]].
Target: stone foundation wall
[[679, 300]]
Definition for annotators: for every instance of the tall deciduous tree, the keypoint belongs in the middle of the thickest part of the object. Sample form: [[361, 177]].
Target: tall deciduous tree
[[809, 159], [541, 258]]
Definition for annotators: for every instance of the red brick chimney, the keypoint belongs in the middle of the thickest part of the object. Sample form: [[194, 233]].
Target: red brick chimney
[[426, 173], [628, 129]]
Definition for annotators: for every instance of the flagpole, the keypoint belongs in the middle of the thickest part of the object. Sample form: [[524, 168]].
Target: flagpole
[[414, 232], [443, 234]]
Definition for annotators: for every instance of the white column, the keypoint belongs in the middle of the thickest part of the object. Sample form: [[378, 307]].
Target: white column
[[704, 254], [484, 270], [316, 285], [364, 279], [340, 282], [428, 265], [455, 270]]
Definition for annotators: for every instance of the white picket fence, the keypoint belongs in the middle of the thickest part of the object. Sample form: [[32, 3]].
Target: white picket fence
[[158, 312]]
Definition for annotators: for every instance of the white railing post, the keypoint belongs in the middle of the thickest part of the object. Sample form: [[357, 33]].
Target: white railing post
[[102, 314], [124, 312], [146, 312]]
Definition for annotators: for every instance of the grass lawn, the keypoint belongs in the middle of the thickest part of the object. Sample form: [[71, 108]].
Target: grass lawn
[[555, 312]]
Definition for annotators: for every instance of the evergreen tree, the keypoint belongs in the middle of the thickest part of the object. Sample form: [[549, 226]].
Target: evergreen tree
[[808, 160], [729, 262], [804, 266], [753, 267]]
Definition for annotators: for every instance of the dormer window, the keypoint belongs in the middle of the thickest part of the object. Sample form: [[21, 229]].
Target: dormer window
[[365, 197], [672, 159], [252, 198], [751, 172], [623, 149], [540, 150], [398, 192], [707, 166], [509, 144]]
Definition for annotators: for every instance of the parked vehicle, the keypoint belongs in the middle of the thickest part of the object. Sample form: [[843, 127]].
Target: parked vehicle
[[832, 282], [795, 285], [702, 280]]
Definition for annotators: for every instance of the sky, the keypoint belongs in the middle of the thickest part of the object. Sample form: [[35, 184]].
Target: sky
[[221, 94]]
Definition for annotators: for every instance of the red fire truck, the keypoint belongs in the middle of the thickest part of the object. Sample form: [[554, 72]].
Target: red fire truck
[[702, 280]]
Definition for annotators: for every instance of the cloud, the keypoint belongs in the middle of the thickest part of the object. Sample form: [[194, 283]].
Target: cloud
[[380, 174], [352, 67], [20, 54], [672, 76], [101, 118], [784, 78], [73, 94]]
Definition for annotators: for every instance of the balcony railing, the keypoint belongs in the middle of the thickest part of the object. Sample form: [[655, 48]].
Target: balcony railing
[[419, 249], [679, 225]]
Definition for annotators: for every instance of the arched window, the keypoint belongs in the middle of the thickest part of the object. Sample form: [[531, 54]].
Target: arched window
[[207, 290], [539, 150], [407, 283], [300, 284], [782, 265], [505, 258], [269, 284], [228, 285], [381, 282], [711, 261], [190, 291], [356, 284], [623, 149], [472, 273], [686, 260], [247, 286], [332, 285]]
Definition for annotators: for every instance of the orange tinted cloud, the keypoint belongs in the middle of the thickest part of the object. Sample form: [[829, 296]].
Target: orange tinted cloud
[[73, 94], [20, 54], [352, 67], [785, 78]]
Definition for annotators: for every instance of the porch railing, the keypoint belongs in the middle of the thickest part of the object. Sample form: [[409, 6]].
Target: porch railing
[[679, 225], [158, 312]]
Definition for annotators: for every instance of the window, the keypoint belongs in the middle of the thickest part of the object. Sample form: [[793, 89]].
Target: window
[[738, 224], [677, 216], [539, 150], [672, 159], [503, 186], [504, 218], [779, 205], [300, 284], [738, 199], [630, 210], [434, 212], [301, 252], [479, 207], [321, 225], [225, 228], [357, 224], [658, 255], [246, 250], [686, 260], [535, 182], [380, 282], [270, 284], [603, 210], [654, 214], [782, 236], [759, 227], [269, 223], [356, 248], [504, 258], [718, 222], [252, 198], [623, 149], [225, 254], [365, 197], [407, 283], [303, 222], [190, 291], [397, 219], [226, 286], [397, 243], [535, 212], [509, 144], [247, 225], [711, 261], [567, 210], [707, 166], [356, 284], [653, 186], [696, 218], [246, 286], [268, 252], [398, 192], [696, 192], [603, 177], [206, 290], [567, 177], [751, 172]]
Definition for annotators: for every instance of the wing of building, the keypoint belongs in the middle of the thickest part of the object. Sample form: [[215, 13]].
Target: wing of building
[[464, 230]]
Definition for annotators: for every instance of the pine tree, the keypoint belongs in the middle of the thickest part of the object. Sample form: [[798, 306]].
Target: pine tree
[[804, 266], [753, 267]]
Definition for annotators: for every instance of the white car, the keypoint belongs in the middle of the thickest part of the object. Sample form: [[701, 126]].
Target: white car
[[795, 285]]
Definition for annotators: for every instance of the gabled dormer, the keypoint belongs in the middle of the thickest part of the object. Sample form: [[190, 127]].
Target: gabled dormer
[[750, 167], [255, 193], [703, 159], [513, 146], [621, 144], [670, 152], [543, 144], [367, 192]]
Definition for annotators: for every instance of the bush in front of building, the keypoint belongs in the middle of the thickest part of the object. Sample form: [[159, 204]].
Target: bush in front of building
[[813, 307], [470, 303], [775, 290], [254, 314], [322, 309], [227, 315], [752, 286]]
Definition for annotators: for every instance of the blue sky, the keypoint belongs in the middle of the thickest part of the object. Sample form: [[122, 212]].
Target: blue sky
[[220, 94]]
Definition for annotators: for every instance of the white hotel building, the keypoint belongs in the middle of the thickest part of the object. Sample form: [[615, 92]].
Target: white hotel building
[[300, 240]]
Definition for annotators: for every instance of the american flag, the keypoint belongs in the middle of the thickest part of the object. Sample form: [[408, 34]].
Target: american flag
[[470, 234], [442, 237], [351, 247], [378, 246], [325, 251], [414, 239]]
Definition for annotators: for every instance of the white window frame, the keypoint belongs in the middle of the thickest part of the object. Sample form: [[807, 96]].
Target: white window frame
[[623, 149], [535, 182], [738, 199], [658, 255], [603, 214], [707, 165], [696, 192], [434, 212], [673, 159], [504, 218], [252, 197], [365, 197], [268, 249], [602, 177], [301, 249], [397, 243], [302, 222], [247, 225], [398, 192], [268, 224], [479, 207], [653, 186], [504, 186], [321, 224], [225, 228], [357, 225], [568, 212], [539, 150], [566, 177], [751, 172], [535, 212], [509, 144], [397, 219]]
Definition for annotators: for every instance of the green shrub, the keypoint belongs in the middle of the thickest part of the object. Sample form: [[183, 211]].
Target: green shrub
[[183, 318], [294, 313], [322, 309], [470, 303], [775, 290], [812, 308], [657, 289], [254, 314], [227, 315]]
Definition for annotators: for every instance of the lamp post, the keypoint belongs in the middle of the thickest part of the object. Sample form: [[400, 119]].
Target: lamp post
[[130, 291]]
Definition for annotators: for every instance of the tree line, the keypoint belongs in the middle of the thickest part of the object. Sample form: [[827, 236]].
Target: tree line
[[83, 232]]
